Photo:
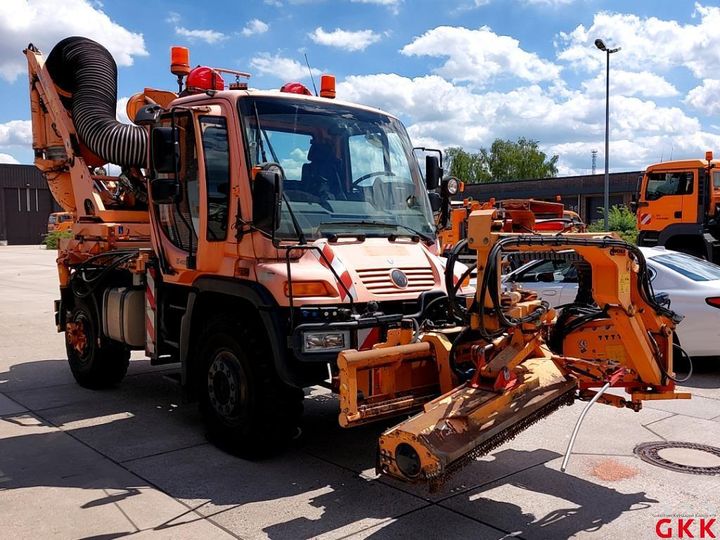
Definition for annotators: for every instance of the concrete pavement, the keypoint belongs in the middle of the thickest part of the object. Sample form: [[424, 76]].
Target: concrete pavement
[[133, 461]]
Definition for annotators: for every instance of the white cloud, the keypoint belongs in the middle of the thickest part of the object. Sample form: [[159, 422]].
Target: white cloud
[[45, 23], [647, 43], [706, 97], [208, 36], [628, 83], [121, 110], [16, 133], [255, 26], [441, 114], [173, 18], [285, 69], [345, 39], [273, 3], [479, 56]]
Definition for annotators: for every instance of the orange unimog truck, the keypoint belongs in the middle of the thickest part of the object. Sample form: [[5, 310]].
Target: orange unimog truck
[[678, 206], [250, 236]]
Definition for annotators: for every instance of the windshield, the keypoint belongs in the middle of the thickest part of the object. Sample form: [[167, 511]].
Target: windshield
[[346, 170]]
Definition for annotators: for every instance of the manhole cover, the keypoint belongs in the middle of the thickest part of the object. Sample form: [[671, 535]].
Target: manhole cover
[[691, 458]]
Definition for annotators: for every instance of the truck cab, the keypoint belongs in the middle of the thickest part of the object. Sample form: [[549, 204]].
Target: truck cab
[[350, 247], [677, 206]]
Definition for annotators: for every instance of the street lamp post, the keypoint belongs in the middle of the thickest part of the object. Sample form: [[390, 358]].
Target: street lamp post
[[600, 44]]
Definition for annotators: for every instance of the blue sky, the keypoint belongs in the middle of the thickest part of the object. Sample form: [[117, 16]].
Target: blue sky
[[458, 73]]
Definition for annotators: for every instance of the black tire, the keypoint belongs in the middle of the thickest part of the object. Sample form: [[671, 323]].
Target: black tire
[[95, 361], [247, 409]]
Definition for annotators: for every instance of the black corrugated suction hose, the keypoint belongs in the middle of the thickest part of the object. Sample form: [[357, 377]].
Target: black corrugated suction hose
[[86, 70]]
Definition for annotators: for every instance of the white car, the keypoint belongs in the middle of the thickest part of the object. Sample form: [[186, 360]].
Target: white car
[[693, 286]]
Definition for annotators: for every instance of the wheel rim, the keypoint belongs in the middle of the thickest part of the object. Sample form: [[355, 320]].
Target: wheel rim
[[226, 390], [79, 335]]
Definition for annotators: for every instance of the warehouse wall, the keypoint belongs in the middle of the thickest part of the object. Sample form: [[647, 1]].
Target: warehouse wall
[[25, 203]]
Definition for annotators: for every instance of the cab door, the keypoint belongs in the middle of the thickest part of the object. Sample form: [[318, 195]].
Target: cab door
[[176, 235], [670, 197], [211, 216]]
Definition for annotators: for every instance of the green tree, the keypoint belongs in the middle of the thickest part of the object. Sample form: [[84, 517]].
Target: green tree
[[505, 161], [466, 166], [620, 220]]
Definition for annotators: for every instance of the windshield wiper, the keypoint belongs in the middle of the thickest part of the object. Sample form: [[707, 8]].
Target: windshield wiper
[[371, 223]]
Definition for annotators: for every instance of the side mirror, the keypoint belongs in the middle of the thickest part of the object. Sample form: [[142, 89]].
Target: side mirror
[[164, 191], [164, 154], [433, 172], [267, 198], [435, 201]]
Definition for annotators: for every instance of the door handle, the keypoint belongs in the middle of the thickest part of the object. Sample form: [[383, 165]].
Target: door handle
[[678, 214], [549, 292]]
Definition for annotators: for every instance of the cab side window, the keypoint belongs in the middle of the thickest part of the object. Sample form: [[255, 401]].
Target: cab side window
[[662, 184], [217, 175], [180, 221]]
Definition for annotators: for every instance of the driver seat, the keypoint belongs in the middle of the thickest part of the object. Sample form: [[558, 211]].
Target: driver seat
[[321, 176]]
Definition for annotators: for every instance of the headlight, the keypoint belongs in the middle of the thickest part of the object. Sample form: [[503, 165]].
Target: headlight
[[326, 341]]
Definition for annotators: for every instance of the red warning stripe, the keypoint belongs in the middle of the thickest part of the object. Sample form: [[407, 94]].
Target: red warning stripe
[[331, 260]]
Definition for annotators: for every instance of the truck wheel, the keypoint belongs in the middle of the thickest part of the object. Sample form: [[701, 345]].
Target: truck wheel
[[247, 409], [95, 361]]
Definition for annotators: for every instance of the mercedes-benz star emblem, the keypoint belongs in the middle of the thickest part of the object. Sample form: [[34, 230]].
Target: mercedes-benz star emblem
[[399, 279]]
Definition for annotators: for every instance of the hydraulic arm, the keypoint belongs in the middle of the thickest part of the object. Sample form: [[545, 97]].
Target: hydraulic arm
[[504, 359]]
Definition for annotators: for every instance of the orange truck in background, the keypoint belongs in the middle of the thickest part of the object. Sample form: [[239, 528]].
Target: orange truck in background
[[60, 221], [678, 206]]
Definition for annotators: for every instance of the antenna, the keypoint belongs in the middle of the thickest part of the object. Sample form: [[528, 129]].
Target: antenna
[[311, 75]]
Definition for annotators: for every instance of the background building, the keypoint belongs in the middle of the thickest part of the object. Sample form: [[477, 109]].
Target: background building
[[582, 194], [25, 204]]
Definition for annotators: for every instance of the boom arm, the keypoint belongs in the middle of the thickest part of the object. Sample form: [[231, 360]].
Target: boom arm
[[515, 361], [55, 140]]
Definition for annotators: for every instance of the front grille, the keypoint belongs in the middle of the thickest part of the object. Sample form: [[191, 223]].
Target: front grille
[[377, 281]]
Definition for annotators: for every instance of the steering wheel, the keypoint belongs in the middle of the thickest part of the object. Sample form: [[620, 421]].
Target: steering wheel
[[368, 175]]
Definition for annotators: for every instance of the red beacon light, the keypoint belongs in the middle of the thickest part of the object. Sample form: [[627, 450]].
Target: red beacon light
[[295, 88], [202, 79], [327, 86], [180, 64]]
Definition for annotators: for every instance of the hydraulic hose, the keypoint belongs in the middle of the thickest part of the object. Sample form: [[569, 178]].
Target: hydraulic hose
[[86, 73]]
